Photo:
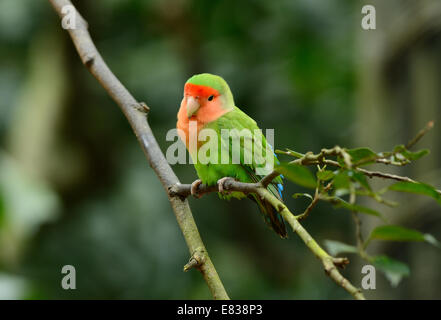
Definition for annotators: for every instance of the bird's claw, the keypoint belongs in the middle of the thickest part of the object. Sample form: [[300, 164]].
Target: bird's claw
[[194, 188], [220, 184]]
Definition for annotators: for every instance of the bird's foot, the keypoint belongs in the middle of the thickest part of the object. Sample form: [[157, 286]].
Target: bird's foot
[[194, 188], [220, 184]]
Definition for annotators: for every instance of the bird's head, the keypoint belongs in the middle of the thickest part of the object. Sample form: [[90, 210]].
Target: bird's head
[[206, 97]]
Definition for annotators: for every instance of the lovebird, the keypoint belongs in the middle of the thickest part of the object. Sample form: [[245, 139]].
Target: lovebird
[[208, 104]]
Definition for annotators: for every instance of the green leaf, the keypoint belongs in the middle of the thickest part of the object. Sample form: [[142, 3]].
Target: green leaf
[[342, 180], [297, 174], [397, 233], [337, 247], [298, 195], [416, 155], [394, 270], [325, 175], [357, 208], [409, 154], [359, 154], [361, 179], [418, 188]]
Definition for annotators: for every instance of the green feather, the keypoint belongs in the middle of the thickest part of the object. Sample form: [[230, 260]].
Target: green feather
[[245, 172], [211, 173]]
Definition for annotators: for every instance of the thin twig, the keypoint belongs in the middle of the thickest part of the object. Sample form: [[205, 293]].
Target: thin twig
[[311, 206], [317, 196], [310, 158], [136, 115], [378, 174], [357, 222], [420, 134]]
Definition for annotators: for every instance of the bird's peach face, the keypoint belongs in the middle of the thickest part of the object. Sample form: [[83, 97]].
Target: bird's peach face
[[198, 97]]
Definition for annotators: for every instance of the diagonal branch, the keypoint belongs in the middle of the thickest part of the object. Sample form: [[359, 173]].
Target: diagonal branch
[[329, 263], [136, 114], [420, 134]]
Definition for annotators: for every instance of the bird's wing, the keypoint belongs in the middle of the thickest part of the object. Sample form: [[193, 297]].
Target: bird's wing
[[238, 120], [250, 160]]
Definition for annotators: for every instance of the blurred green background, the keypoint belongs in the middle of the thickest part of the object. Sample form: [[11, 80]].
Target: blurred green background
[[76, 189]]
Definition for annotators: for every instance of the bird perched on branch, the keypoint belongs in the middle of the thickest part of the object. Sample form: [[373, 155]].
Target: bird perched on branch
[[208, 104]]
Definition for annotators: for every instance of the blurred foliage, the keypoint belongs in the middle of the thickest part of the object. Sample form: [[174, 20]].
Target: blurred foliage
[[75, 187], [349, 180]]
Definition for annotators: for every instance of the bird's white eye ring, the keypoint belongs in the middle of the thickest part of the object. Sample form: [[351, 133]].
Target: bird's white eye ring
[[210, 97]]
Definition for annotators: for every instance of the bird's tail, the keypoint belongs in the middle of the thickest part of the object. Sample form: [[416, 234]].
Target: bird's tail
[[272, 218]]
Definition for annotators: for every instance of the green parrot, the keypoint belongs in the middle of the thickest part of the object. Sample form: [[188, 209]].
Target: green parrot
[[208, 104]]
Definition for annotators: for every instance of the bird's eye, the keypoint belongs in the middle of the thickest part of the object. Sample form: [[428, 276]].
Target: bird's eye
[[210, 98]]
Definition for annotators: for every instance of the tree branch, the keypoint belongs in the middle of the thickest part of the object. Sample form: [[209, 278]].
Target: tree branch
[[135, 113], [329, 263], [309, 159]]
